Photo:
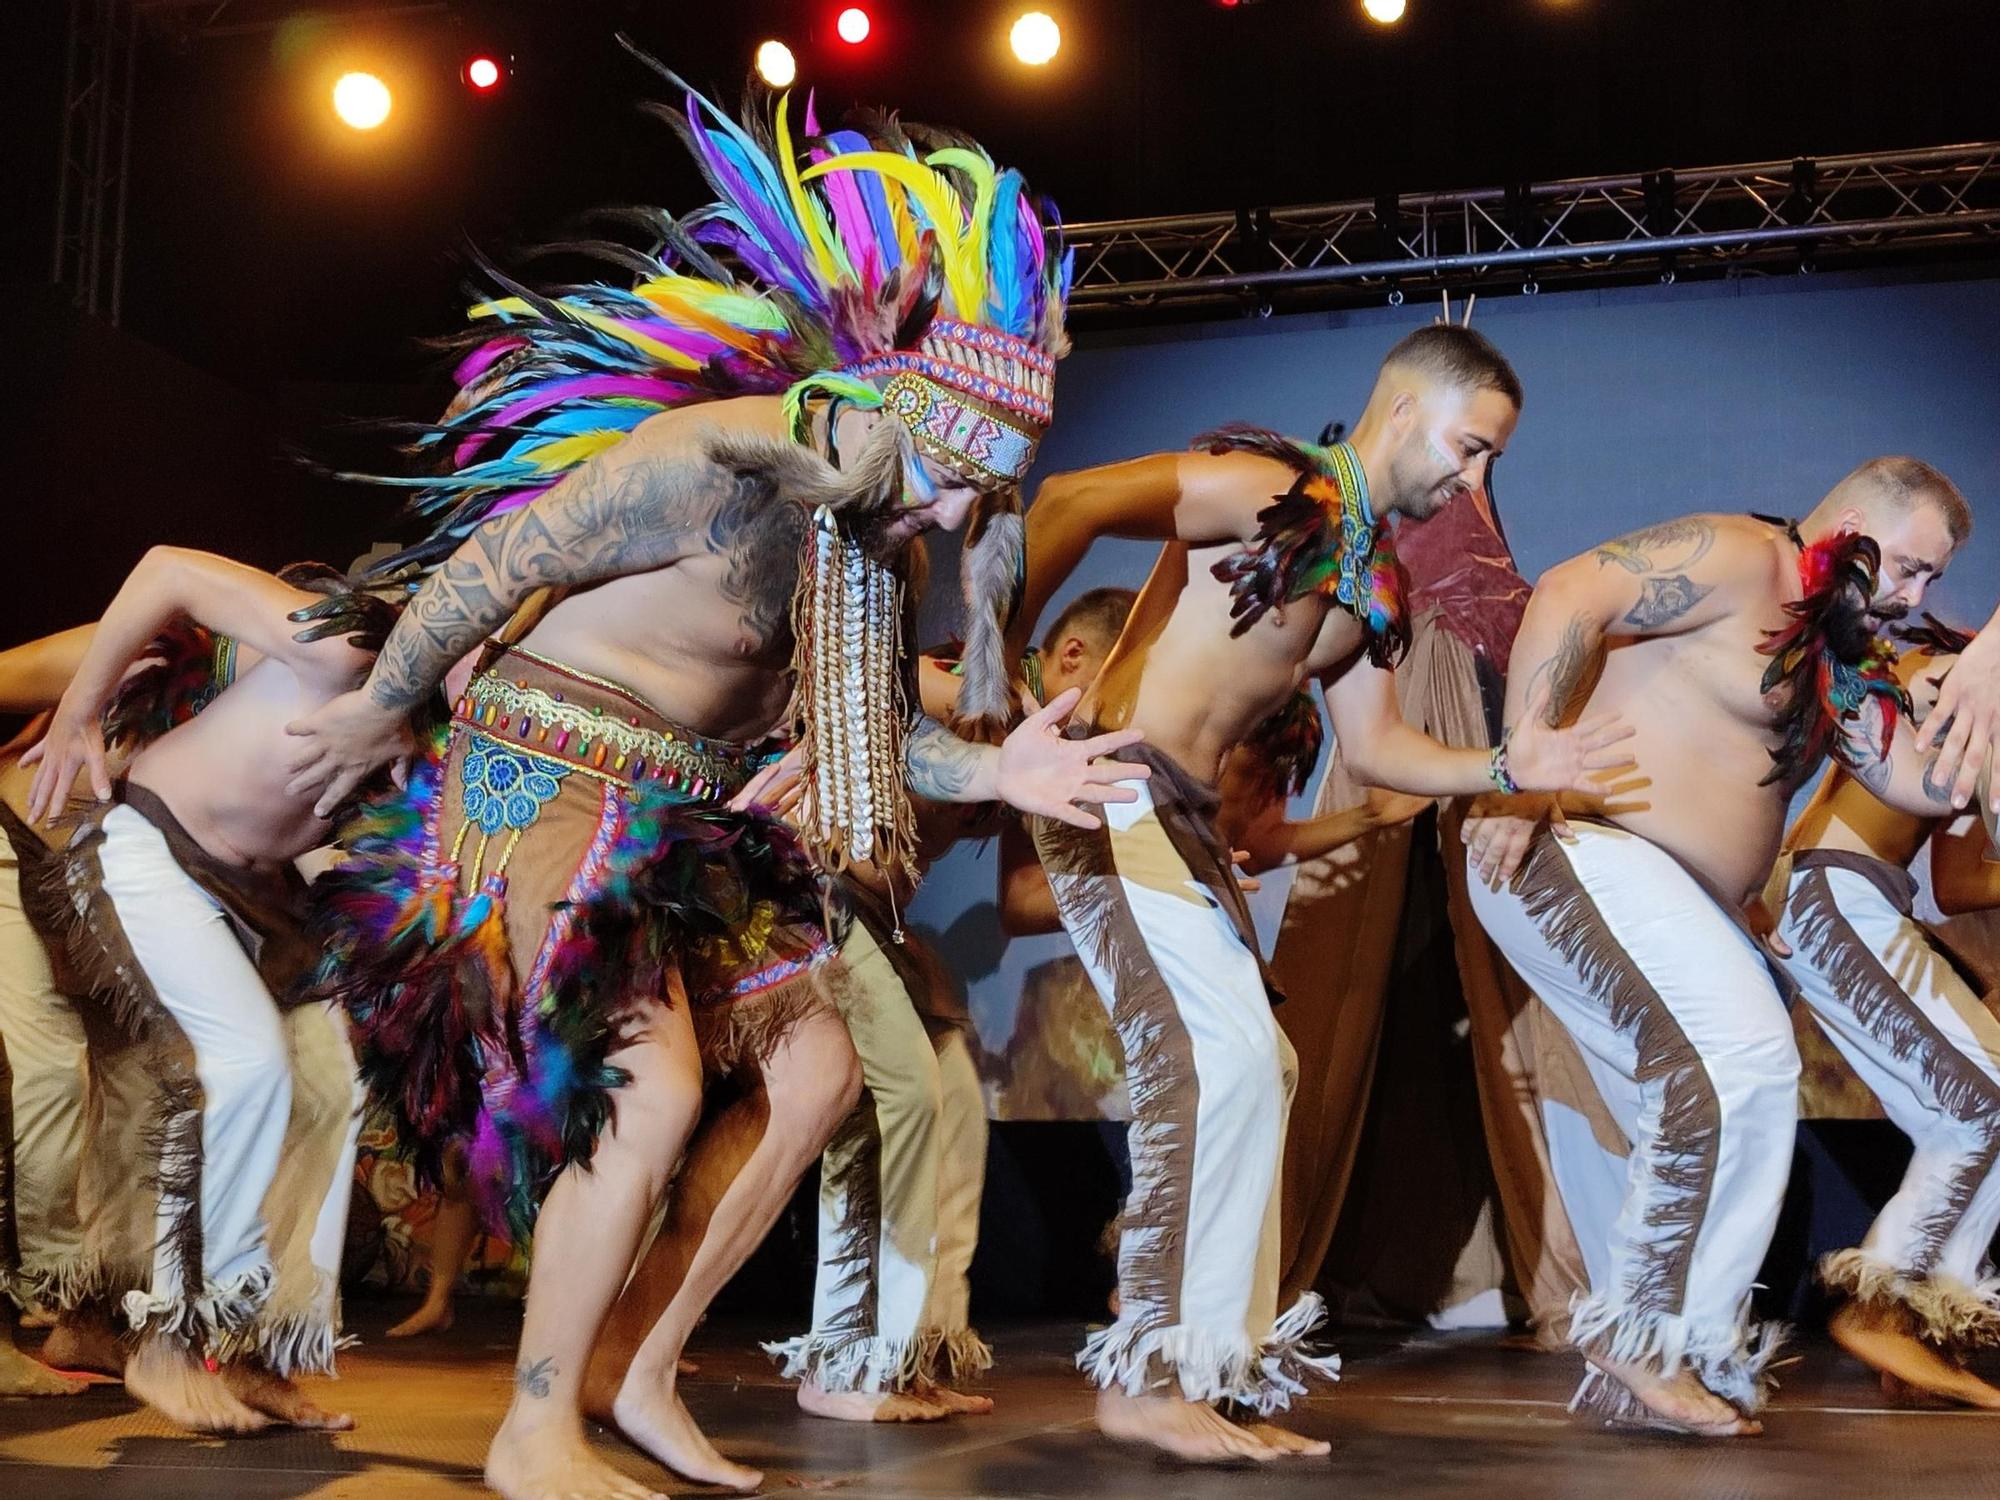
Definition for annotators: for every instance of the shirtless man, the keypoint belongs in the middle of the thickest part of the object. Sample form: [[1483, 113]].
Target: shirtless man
[[1277, 566], [858, 348], [1918, 1291], [188, 911], [1630, 925]]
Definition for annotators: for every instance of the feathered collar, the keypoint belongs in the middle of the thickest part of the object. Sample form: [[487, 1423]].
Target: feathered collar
[[1319, 537], [1827, 658]]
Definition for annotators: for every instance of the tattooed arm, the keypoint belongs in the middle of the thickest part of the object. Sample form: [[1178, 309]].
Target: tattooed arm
[[945, 768], [643, 505], [1900, 774], [1665, 580]]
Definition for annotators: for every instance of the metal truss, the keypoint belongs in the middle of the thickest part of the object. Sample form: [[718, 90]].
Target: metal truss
[[95, 154], [1773, 215]]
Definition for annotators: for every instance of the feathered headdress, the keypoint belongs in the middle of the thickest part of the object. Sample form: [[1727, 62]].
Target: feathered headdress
[[888, 268], [1828, 659], [1319, 537]]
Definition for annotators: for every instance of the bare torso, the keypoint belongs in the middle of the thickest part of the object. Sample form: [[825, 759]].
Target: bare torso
[[1703, 733], [706, 640], [1178, 674], [223, 772]]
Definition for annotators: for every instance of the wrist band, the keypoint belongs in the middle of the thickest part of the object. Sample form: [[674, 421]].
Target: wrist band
[[1496, 768]]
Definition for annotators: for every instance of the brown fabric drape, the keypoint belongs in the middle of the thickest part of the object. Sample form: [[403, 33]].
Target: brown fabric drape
[[1333, 956]]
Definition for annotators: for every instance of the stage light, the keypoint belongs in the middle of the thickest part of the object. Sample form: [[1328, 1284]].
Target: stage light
[[776, 65], [1385, 12], [361, 100], [853, 25], [1035, 38], [482, 74]]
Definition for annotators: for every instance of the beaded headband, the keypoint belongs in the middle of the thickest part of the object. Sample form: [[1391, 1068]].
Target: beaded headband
[[973, 398]]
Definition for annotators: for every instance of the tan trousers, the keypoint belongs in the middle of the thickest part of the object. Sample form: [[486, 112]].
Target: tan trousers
[[78, 1102], [899, 1198]]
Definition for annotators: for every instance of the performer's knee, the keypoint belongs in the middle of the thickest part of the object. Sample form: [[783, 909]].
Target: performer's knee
[[250, 1064]]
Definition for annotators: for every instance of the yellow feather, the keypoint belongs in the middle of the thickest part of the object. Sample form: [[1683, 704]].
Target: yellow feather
[[577, 448], [666, 354], [940, 205], [811, 223], [975, 165]]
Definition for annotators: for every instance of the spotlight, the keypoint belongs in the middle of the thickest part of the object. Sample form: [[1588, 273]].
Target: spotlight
[[1036, 38], [361, 100], [853, 25], [1386, 12], [776, 65], [482, 74]]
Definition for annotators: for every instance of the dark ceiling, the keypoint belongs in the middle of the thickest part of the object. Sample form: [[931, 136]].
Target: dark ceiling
[[270, 246]]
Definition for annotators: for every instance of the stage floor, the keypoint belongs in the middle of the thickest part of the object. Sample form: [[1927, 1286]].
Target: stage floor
[[1429, 1416]]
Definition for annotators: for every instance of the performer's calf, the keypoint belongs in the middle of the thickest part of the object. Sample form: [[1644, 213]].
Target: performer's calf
[[585, 1239], [813, 1079]]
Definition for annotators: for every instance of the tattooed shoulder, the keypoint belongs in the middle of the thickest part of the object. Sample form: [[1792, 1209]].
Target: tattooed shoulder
[[1678, 544], [1664, 600]]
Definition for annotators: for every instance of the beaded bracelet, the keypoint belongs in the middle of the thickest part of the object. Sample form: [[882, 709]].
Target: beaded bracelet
[[1496, 768]]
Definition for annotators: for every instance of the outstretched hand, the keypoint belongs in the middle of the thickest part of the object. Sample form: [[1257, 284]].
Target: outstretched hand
[[1545, 759], [1039, 771], [341, 743]]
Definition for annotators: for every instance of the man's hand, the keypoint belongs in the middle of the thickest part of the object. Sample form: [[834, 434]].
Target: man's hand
[[1498, 831], [74, 744], [1544, 759], [778, 789], [341, 743], [1239, 860], [1041, 772], [1964, 727]]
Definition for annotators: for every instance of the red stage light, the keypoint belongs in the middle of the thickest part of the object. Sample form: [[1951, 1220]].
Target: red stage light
[[482, 74], [853, 25]]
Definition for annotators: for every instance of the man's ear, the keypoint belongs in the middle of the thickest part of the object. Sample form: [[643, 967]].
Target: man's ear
[[1850, 519], [1072, 651]]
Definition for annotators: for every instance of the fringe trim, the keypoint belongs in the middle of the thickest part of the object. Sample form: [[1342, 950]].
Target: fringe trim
[[955, 1357], [67, 1284], [1731, 1359], [71, 895], [303, 1342], [738, 1034], [837, 1362], [1954, 1315], [211, 1320], [1681, 1157], [1871, 994], [1209, 1367]]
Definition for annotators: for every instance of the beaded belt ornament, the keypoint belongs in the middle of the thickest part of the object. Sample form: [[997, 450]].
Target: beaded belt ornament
[[585, 737]]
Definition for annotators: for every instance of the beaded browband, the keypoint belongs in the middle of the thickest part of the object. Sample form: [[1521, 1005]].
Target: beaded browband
[[974, 398]]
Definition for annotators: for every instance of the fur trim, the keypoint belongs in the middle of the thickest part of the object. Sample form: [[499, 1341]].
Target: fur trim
[[990, 578], [1263, 1378], [1731, 1359], [1954, 1315]]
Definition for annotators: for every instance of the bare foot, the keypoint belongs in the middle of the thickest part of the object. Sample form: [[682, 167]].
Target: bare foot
[[1187, 1430], [955, 1403], [175, 1383], [280, 1400], [22, 1376], [1680, 1402], [34, 1315], [686, 1367], [432, 1317], [654, 1419], [1290, 1444], [869, 1406], [1875, 1340], [86, 1345], [551, 1461]]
